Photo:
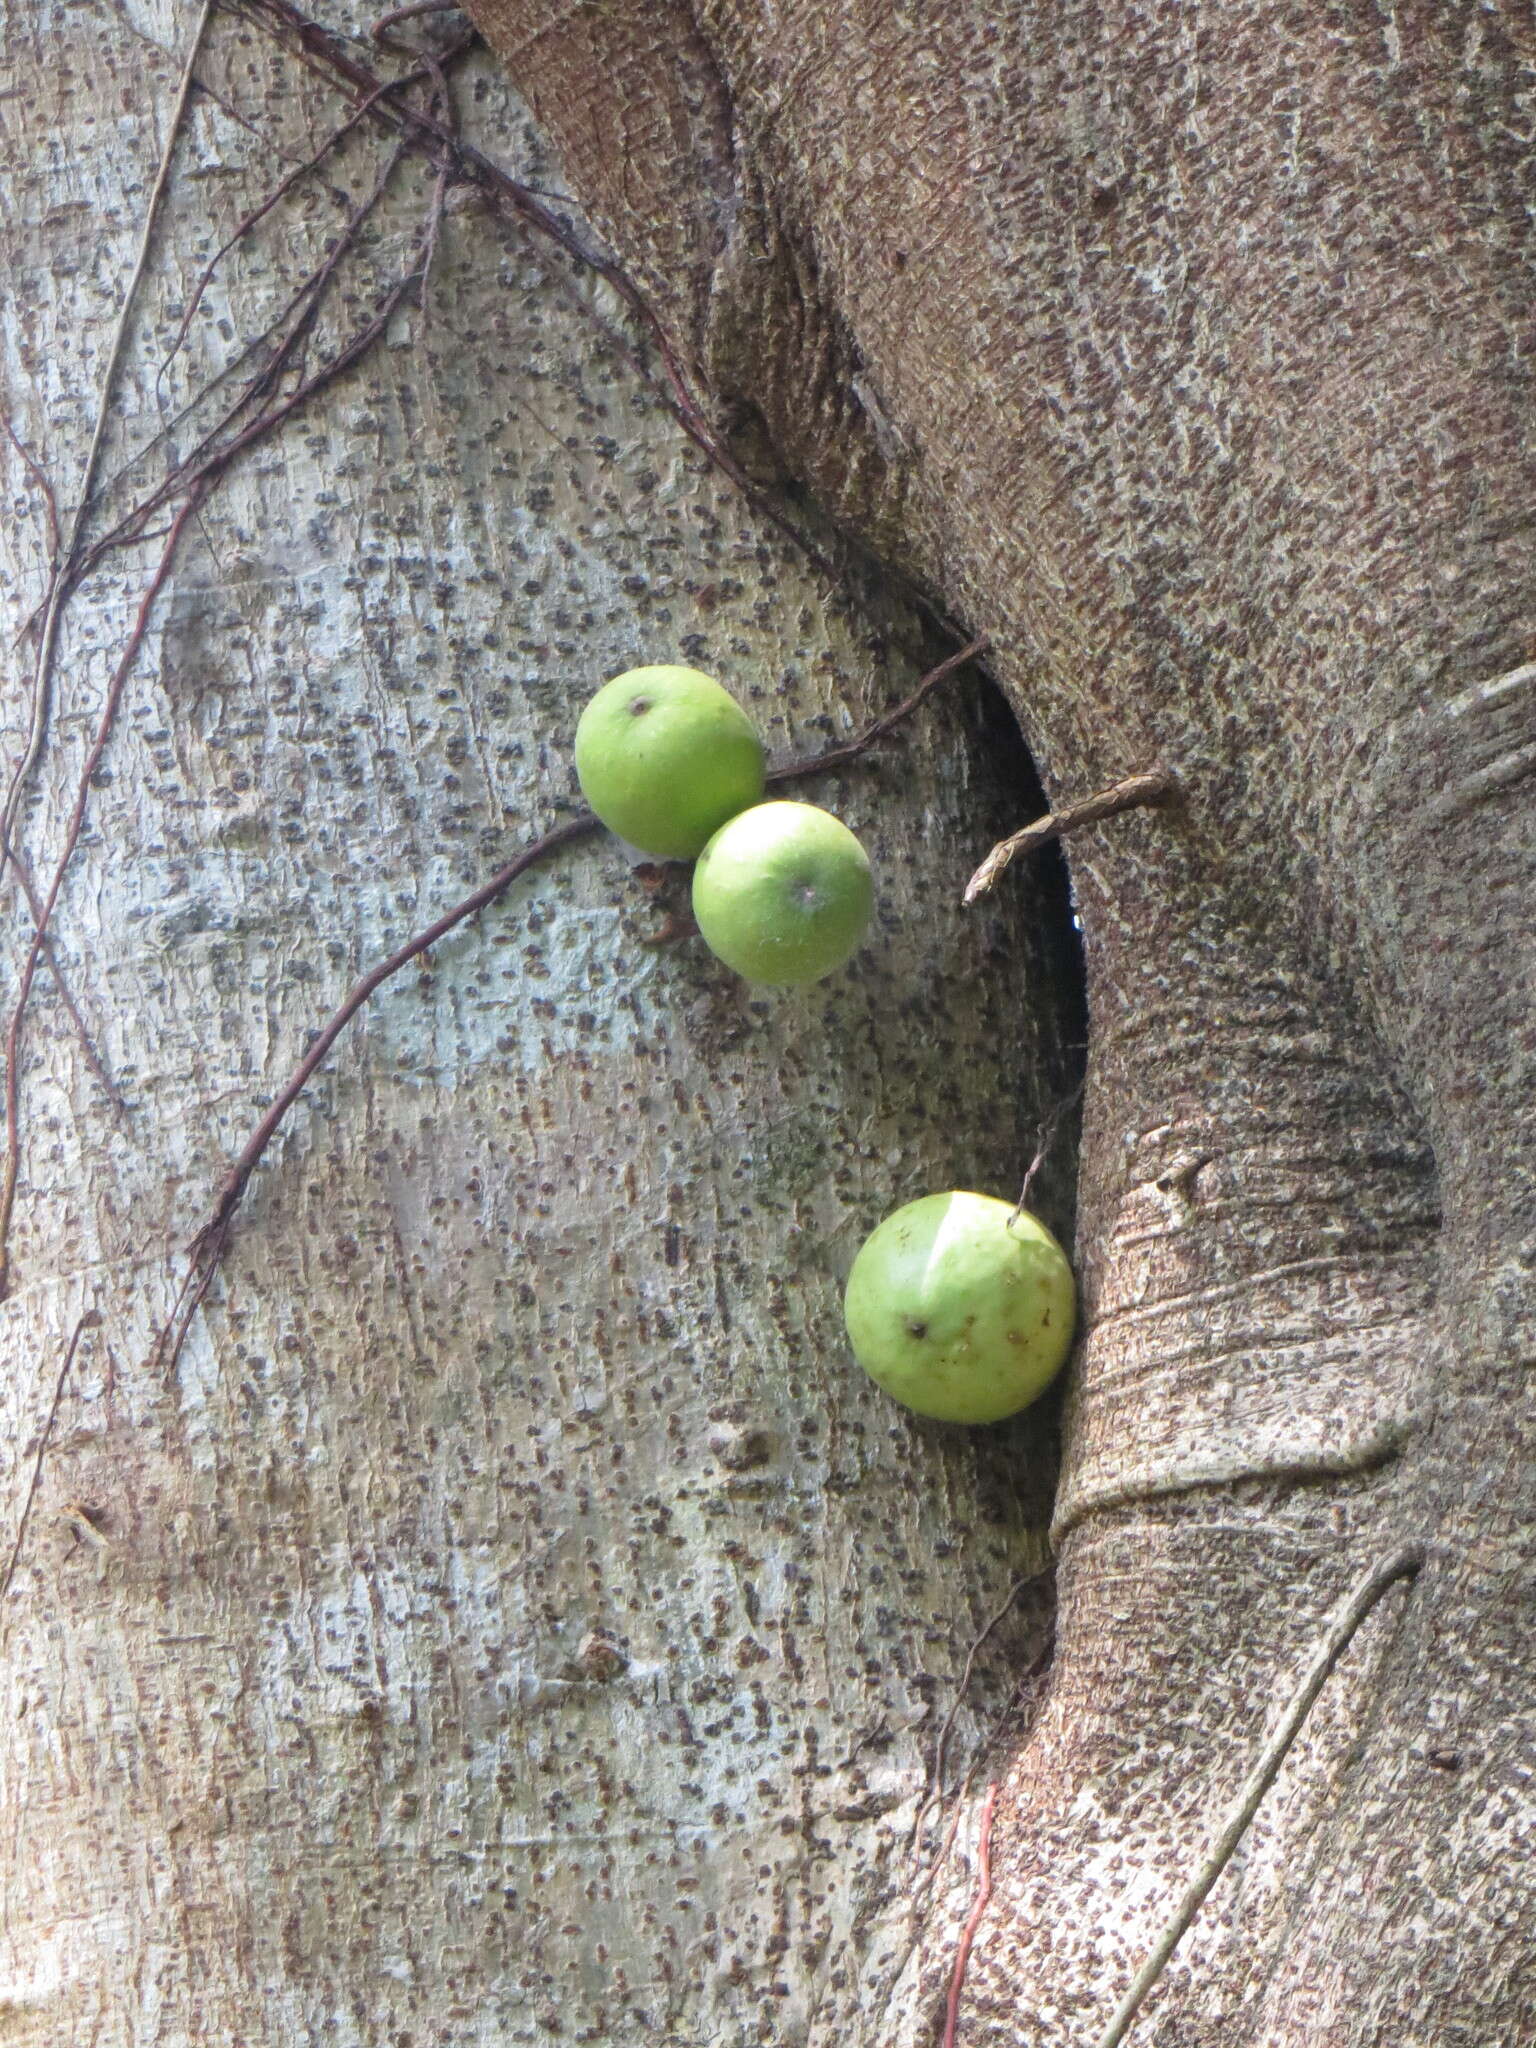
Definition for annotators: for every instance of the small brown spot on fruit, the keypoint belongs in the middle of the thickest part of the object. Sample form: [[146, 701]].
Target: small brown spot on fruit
[[638, 706], [916, 1327]]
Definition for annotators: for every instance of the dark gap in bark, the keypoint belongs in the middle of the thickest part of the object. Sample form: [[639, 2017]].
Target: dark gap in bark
[[998, 735], [1030, 1447]]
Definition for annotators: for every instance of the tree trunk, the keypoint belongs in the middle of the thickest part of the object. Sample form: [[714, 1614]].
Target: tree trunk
[[509, 1616], [1187, 352]]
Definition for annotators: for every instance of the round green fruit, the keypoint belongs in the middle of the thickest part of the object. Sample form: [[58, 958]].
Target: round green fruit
[[960, 1309], [664, 756], [783, 893]]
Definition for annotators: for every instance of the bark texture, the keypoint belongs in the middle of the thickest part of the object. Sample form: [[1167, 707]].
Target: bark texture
[[1187, 352], [514, 1618]]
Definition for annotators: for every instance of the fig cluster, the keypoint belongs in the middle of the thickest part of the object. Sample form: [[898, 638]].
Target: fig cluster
[[669, 761], [959, 1305]]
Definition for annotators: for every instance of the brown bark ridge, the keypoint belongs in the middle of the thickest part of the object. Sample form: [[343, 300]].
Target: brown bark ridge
[[513, 1618], [1187, 352]]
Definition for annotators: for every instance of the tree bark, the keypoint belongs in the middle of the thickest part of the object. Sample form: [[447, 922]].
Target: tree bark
[[511, 1616], [1187, 353]]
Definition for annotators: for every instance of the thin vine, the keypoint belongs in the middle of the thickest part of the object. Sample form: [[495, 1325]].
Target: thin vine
[[259, 410]]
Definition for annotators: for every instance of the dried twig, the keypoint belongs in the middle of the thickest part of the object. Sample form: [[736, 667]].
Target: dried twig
[[62, 578], [211, 1238], [303, 302], [8, 1174], [1402, 1564], [968, 1933], [1061, 1111], [93, 1058], [1135, 793], [211, 457], [87, 1321], [328, 55], [190, 479], [840, 757], [259, 213], [917, 1889]]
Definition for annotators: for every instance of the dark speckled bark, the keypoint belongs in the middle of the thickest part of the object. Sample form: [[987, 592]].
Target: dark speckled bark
[[515, 1619], [1187, 351]]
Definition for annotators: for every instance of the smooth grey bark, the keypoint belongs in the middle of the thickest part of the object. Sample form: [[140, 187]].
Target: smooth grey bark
[[1187, 352], [513, 1618]]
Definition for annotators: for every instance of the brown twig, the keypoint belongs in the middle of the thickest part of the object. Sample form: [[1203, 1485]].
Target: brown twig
[[259, 213], [916, 1891], [305, 301], [93, 1058], [1406, 1563], [968, 1933], [208, 457], [217, 459], [211, 457], [191, 478], [9, 1173], [1043, 1144], [326, 54], [441, 104], [840, 757], [202, 476], [211, 1238], [207, 462], [62, 577], [87, 1321], [437, 67], [1135, 793], [190, 1296]]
